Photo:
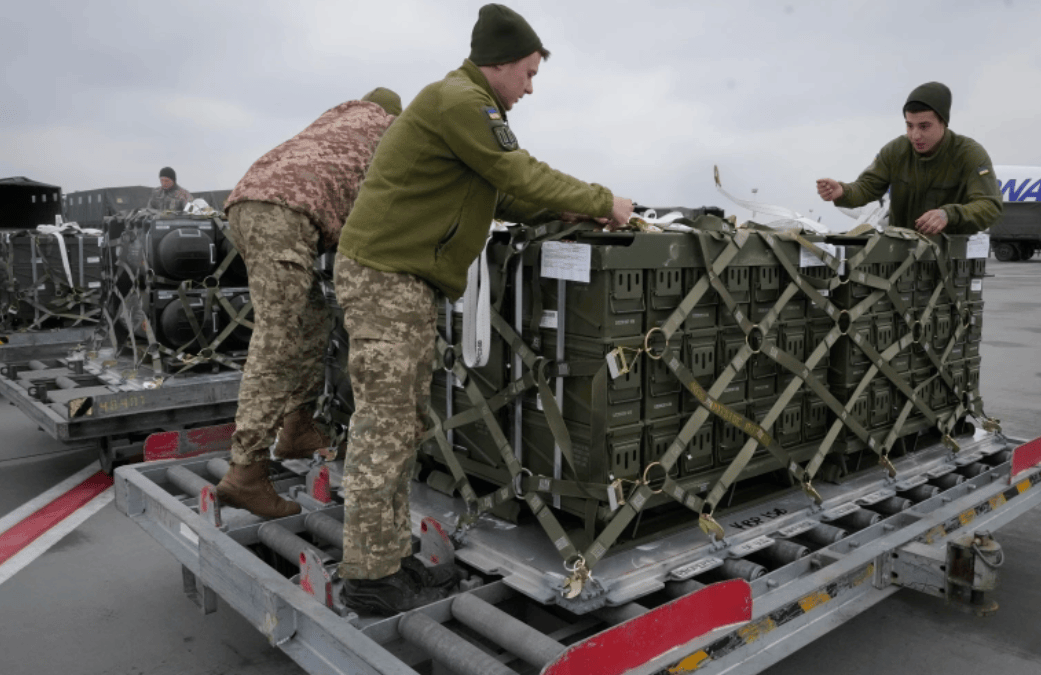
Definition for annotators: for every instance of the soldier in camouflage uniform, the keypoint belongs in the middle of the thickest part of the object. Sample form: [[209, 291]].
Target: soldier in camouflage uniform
[[286, 210], [169, 196], [441, 173]]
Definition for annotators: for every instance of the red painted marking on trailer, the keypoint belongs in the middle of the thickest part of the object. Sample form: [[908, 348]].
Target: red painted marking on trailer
[[1025, 457], [33, 526], [321, 489], [650, 635], [190, 443]]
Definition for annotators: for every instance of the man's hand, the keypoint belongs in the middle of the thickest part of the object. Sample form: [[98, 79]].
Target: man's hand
[[829, 189], [621, 212], [931, 222]]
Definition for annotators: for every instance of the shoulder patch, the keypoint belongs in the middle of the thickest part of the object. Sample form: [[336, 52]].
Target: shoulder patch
[[500, 129], [492, 114], [984, 170]]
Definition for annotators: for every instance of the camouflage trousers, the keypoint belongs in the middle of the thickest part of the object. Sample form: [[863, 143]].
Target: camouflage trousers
[[285, 367], [391, 319]]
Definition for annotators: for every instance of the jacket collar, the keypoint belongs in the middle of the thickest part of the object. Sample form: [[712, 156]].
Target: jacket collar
[[473, 72], [941, 149]]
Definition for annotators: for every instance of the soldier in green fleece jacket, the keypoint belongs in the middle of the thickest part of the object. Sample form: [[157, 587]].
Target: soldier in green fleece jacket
[[941, 181], [447, 166]]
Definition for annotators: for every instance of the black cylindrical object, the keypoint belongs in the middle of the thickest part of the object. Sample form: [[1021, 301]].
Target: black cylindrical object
[[780, 553], [892, 505], [823, 535], [325, 527], [448, 648], [948, 480], [859, 519], [739, 568], [920, 493], [974, 469], [514, 636]]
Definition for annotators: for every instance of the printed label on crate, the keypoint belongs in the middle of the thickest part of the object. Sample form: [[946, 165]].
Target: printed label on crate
[[976, 285], [568, 261], [808, 259], [695, 568], [549, 319], [92, 260], [978, 246]]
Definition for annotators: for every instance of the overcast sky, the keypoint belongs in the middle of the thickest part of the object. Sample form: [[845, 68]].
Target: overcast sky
[[643, 97]]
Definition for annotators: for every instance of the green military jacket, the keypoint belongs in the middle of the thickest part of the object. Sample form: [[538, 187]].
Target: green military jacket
[[447, 166], [958, 178]]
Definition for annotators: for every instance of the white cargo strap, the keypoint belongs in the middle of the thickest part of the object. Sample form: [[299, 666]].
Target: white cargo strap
[[477, 318], [58, 230]]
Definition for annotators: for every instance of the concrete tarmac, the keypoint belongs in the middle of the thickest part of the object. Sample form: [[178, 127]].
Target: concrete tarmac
[[107, 599]]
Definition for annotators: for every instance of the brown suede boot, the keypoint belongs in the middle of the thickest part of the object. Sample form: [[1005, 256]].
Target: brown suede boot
[[299, 437], [249, 487]]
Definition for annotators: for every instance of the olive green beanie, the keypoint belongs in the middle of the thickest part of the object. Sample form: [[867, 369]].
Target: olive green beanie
[[935, 95], [386, 99], [501, 35]]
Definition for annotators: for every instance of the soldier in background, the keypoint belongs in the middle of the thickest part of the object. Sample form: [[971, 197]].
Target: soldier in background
[[941, 181], [169, 196], [286, 211], [447, 167]]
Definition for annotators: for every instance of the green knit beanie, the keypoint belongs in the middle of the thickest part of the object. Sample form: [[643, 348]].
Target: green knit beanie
[[935, 95], [501, 35], [386, 99]]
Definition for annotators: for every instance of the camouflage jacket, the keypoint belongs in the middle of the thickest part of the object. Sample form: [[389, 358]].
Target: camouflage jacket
[[319, 171], [174, 199]]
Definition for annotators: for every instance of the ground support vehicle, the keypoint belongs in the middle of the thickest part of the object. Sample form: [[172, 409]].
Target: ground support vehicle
[[1017, 234], [79, 397], [785, 571]]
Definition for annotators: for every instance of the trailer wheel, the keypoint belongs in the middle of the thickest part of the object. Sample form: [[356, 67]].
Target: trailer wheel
[[1005, 252]]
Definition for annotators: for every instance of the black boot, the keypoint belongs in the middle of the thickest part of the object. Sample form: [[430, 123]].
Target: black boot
[[412, 586]]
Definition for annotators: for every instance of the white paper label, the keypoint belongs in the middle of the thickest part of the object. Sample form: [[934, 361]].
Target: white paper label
[[567, 261], [93, 284], [808, 259], [978, 246], [93, 259], [976, 285], [549, 319]]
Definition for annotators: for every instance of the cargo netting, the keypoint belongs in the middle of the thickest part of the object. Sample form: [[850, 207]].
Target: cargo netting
[[177, 293], [630, 378], [50, 279]]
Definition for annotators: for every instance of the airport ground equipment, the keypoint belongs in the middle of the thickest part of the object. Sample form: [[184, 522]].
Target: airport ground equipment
[[785, 571]]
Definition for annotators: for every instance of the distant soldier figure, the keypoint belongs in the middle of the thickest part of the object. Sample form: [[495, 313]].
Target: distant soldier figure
[[286, 210], [941, 182], [169, 196]]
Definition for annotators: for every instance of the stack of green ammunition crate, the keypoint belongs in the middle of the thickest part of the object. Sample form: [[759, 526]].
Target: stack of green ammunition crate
[[863, 323]]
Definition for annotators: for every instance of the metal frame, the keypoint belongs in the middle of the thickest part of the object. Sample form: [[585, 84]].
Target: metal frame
[[793, 604]]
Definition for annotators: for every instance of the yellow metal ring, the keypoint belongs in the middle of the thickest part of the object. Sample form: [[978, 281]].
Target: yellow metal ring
[[645, 481], [647, 344]]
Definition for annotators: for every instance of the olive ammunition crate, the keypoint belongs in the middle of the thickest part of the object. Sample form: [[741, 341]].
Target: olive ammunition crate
[[677, 371]]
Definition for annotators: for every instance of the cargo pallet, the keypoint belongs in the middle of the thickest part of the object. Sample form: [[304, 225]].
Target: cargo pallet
[[80, 399], [785, 572]]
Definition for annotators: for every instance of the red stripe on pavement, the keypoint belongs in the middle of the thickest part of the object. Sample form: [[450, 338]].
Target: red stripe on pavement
[[33, 526]]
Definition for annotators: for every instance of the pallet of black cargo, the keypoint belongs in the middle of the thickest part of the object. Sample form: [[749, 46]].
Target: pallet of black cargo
[[51, 279], [178, 287], [645, 379]]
